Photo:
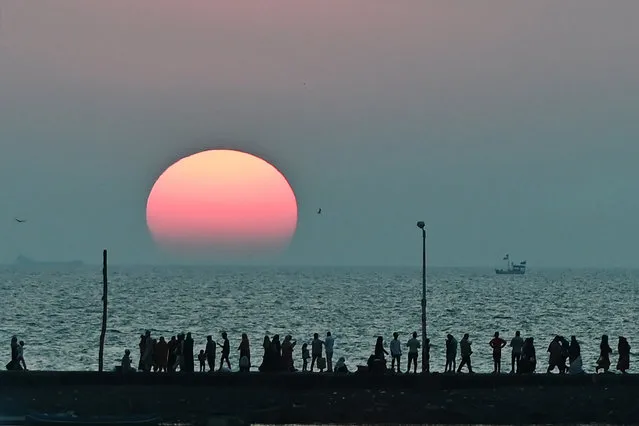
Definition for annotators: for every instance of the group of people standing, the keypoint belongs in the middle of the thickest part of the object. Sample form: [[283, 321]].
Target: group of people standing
[[279, 356], [177, 354], [564, 355]]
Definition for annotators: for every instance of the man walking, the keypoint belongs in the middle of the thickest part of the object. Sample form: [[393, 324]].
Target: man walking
[[466, 352]]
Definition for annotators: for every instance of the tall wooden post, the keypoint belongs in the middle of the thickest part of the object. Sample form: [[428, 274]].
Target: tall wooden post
[[104, 311]]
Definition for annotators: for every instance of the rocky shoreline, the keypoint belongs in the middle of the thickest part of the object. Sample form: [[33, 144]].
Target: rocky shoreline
[[322, 398]]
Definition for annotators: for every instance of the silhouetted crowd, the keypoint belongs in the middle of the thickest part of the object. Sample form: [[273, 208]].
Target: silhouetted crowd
[[178, 354]]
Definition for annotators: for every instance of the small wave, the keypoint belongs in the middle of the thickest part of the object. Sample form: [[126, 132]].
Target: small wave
[[502, 317]]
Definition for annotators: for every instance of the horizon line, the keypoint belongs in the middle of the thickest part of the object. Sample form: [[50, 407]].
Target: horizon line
[[319, 265]]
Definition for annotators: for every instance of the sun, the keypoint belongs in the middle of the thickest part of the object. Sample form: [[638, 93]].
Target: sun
[[223, 203]]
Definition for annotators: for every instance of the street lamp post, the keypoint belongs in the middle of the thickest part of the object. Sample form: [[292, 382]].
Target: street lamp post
[[421, 225]]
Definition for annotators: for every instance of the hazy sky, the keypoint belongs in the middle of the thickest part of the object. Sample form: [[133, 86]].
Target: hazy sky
[[508, 126]]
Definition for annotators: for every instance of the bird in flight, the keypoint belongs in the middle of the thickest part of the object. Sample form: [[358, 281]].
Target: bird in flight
[[319, 211], [20, 220]]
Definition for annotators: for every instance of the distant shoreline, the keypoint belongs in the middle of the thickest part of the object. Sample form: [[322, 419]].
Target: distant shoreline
[[328, 398]]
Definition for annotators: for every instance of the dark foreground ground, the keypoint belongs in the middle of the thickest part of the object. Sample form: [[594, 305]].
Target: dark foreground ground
[[303, 398]]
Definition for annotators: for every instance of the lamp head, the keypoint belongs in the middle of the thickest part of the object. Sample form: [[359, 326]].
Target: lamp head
[[421, 225]]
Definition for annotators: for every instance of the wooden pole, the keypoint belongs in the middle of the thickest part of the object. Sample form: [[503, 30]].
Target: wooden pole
[[104, 311]]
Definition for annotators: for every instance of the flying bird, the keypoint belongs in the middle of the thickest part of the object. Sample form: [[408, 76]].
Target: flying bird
[[20, 220], [319, 211]]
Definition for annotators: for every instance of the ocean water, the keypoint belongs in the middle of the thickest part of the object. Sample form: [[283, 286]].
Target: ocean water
[[57, 311]]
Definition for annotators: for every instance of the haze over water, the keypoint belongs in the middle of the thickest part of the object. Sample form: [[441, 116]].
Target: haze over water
[[58, 313]]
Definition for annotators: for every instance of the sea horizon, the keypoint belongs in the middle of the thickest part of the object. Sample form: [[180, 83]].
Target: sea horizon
[[530, 266]]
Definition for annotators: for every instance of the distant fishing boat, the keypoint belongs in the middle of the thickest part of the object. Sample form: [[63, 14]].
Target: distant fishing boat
[[512, 268], [26, 261]]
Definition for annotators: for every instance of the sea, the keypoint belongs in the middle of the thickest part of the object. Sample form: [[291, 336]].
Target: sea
[[57, 310]]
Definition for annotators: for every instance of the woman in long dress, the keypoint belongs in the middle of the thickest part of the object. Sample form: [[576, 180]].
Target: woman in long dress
[[603, 363], [574, 356], [528, 360], [266, 359], [623, 348], [245, 349], [287, 353]]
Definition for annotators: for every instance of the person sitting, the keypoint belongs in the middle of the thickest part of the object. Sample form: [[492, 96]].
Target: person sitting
[[340, 366], [126, 363]]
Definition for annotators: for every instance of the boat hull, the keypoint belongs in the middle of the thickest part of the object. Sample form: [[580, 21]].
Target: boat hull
[[509, 272]]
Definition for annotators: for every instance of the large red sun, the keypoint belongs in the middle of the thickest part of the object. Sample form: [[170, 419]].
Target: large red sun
[[224, 202]]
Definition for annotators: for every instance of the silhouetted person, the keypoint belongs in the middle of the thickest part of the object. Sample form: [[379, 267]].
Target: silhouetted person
[[340, 366], [316, 349], [528, 360], [377, 361], [162, 354], [202, 358], [305, 357], [125, 364], [14, 364], [245, 348], [329, 343], [623, 349], [154, 355], [287, 353], [574, 356], [179, 353], [555, 357], [210, 352], [276, 353], [516, 343], [187, 353], [266, 358], [226, 350], [603, 363], [497, 343], [574, 350], [565, 352], [413, 352], [147, 356], [141, 345], [380, 352], [451, 353], [172, 354], [396, 352], [21, 360], [466, 352]]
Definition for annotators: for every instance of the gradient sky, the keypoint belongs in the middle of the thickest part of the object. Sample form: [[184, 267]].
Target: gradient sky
[[508, 126]]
